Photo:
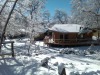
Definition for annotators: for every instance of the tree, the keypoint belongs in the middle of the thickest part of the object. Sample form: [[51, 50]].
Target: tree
[[77, 6], [96, 12], [87, 13], [61, 17], [31, 16], [5, 26], [26, 15], [46, 19]]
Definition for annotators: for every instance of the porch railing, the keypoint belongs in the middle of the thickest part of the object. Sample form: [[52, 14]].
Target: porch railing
[[77, 40], [71, 40]]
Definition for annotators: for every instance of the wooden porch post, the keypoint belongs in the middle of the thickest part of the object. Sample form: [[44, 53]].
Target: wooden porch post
[[53, 36], [12, 48], [98, 34]]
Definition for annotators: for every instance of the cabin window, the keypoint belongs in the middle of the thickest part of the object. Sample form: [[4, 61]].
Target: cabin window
[[65, 36], [61, 36]]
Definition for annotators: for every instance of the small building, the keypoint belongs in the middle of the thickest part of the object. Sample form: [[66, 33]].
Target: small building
[[68, 34]]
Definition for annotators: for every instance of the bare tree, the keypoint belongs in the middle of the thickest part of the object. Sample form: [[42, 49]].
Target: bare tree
[[32, 19], [86, 12], [4, 30], [61, 17], [27, 15], [46, 19]]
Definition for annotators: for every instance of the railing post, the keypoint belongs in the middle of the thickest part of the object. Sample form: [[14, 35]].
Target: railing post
[[12, 48]]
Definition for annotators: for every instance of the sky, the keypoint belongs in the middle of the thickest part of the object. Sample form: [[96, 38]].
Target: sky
[[52, 5]]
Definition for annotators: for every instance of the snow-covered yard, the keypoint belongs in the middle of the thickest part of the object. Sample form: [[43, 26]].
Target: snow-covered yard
[[76, 60]]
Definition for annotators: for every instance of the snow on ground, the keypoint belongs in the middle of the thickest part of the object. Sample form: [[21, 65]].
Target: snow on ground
[[76, 60]]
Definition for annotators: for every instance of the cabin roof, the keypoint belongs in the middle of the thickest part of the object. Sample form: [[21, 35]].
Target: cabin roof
[[65, 28]]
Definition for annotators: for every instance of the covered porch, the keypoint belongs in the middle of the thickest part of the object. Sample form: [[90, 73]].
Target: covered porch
[[71, 42]]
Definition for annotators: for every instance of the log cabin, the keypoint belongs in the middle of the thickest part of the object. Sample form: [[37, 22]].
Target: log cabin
[[68, 34]]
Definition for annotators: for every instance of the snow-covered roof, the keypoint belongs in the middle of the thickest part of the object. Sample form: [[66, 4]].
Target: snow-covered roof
[[66, 28]]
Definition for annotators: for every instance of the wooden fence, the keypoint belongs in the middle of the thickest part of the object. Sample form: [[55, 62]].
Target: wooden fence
[[12, 48]]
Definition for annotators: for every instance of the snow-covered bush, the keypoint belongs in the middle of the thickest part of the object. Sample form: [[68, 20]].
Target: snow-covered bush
[[77, 52], [67, 51]]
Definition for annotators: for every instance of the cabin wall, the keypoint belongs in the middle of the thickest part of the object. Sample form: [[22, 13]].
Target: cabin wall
[[71, 37], [55, 36], [88, 35]]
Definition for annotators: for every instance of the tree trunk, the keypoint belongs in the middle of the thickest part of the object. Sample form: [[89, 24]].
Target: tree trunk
[[4, 30], [98, 25], [3, 6]]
